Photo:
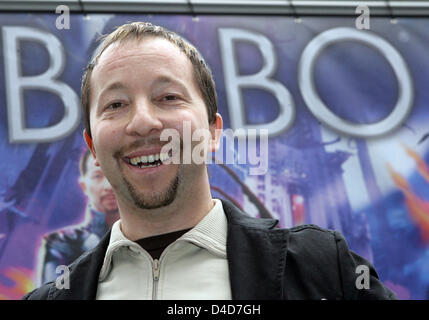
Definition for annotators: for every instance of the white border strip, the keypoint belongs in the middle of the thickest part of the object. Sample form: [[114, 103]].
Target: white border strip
[[261, 7]]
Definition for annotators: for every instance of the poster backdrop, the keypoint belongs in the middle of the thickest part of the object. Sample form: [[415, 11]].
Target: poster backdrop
[[347, 111]]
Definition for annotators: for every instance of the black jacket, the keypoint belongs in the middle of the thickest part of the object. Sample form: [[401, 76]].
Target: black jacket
[[303, 262]]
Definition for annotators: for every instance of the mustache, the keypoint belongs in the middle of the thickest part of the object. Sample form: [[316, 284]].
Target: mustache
[[147, 142]]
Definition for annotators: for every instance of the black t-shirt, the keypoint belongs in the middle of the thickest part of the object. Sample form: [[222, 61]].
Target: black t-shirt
[[155, 245]]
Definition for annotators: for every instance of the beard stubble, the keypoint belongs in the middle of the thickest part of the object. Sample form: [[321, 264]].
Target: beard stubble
[[155, 200]]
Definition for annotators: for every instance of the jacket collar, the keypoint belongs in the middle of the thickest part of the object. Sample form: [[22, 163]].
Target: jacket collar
[[256, 253]]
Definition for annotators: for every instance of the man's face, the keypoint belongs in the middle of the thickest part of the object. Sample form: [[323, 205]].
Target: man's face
[[98, 189], [138, 89]]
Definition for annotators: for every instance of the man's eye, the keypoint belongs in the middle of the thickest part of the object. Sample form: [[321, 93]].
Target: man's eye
[[115, 105], [170, 98]]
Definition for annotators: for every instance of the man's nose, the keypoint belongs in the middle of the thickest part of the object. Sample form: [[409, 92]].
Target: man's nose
[[144, 118]]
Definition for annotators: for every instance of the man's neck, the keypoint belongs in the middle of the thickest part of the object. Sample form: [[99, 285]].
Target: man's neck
[[184, 212]]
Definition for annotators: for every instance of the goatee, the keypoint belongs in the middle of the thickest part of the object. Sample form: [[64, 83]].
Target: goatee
[[154, 200]]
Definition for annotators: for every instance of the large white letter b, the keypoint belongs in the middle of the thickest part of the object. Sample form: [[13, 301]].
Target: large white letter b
[[16, 83], [234, 83]]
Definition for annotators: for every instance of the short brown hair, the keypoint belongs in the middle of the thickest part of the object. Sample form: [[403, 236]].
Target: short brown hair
[[137, 31]]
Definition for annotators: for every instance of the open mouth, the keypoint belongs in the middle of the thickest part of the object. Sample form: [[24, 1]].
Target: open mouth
[[148, 161]]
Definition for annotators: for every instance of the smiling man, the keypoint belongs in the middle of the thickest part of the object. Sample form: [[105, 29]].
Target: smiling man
[[173, 240], [139, 88]]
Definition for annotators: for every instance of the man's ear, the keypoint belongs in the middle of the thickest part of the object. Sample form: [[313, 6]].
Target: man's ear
[[216, 131], [90, 145]]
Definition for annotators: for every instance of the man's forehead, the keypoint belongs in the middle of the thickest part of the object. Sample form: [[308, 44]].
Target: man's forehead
[[158, 54], [147, 48]]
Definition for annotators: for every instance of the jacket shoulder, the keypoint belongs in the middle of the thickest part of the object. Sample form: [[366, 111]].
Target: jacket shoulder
[[83, 277], [311, 229], [312, 240], [324, 259], [41, 293], [49, 291]]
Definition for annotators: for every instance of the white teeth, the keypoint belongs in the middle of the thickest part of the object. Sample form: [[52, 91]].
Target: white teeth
[[149, 159]]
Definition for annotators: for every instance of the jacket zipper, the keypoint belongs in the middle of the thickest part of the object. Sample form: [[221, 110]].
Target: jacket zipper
[[155, 269], [156, 265]]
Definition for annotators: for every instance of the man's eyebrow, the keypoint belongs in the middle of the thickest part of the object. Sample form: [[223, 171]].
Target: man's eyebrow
[[167, 80], [112, 87], [164, 79], [159, 81]]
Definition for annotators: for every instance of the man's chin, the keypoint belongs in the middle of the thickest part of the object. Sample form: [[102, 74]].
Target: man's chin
[[154, 199], [151, 203]]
